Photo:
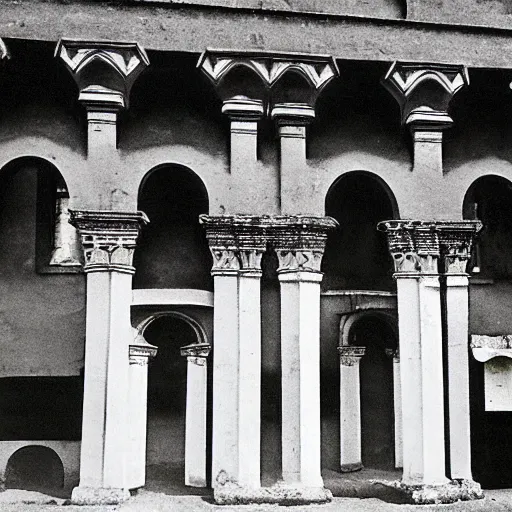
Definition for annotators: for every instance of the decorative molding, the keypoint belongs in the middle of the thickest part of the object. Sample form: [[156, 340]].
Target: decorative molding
[[485, 347], [124, 62], [424, 92], [108, 238], [351, 356], [140, 350], [243, 109], [416, 246], [294, 114], [196, 353]]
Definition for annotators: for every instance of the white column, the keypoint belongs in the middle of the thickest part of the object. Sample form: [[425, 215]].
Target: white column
[[458, 375], [350, 408], [237, 246], [397, 400], [195, 420], [299, 242], [140, 353], [109, 241]]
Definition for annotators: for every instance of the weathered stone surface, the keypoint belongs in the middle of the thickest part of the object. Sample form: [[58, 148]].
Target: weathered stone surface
[[98, 496], [231, 494]]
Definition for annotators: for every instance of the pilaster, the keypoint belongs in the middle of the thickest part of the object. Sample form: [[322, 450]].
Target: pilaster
[[104, 73], [108, 240], [237, 244], [195, 421], [424, 93], [350, 408]]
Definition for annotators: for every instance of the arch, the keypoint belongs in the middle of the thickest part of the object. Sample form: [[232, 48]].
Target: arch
[[35, 468], [350, 320], [196, 326], [381, 181]]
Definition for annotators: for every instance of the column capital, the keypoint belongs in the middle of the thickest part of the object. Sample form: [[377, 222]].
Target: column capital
[[350, 356], [108, 238], [103, 71], [416, 246], [242, 108], [424, 92], [268, 67], [196, 353], [237, 242], [299, 241], [140, 350]]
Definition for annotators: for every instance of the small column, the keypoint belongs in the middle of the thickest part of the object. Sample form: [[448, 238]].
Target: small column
[[139, 354], [104, 73], [414, 246], [456, 243], [350, 408], [109, 240], [299, 242], [195, 422], [397, 399], [237, 244]]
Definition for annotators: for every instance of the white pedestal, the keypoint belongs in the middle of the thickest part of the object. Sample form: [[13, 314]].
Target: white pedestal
[[457, 317], [421, 368], [350, 408], [300, 355]]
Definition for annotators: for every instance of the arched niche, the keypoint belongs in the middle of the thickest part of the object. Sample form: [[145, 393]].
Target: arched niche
[[356, 256], [167, 396], [172, 250], [377, 332], [489, 199], [35, 468]]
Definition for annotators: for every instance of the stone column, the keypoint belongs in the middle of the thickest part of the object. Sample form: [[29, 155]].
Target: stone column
[[299, 242], [456, 242], [139, 354], [350, 408], [397, 399], [195, 420], [104, 73], [109, 240], [237, 245]]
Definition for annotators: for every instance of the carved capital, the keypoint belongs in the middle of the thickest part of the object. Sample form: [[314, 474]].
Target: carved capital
[[299, 241], [424, 92], [351, 356], [108, 238], [237, 242], [417, 246], [103, 71], [196, 353], [140, 350], [220, 67]]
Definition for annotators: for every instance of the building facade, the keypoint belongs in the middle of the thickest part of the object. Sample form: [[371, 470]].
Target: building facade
[[256, 247]]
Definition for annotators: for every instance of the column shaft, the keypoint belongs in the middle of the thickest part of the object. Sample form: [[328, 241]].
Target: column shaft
[[300, 355], [397, 398], [458, 375]]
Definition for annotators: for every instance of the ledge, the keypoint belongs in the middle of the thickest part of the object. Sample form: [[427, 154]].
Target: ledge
[[172, 297], [485, 347]]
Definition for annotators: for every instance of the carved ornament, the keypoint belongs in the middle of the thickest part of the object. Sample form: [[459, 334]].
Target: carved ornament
[[103, 71], [196, 353], [424, 92], [140, 350], [485, 348], [417, 246], [351, 356], [108, 238]]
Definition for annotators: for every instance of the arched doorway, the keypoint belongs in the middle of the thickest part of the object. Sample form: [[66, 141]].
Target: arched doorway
[[167, 399], [35, 468], [489, 199], [376, 390]]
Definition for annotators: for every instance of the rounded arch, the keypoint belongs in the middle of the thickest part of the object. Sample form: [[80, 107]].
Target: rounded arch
[[35, 468], [488, 199], [371, 176], [356, 256], [352, 319], [194, 324]]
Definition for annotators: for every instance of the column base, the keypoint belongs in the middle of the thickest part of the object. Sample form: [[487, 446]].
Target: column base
[[281, 494], [455, 490], [351, 468], [98, 495]]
